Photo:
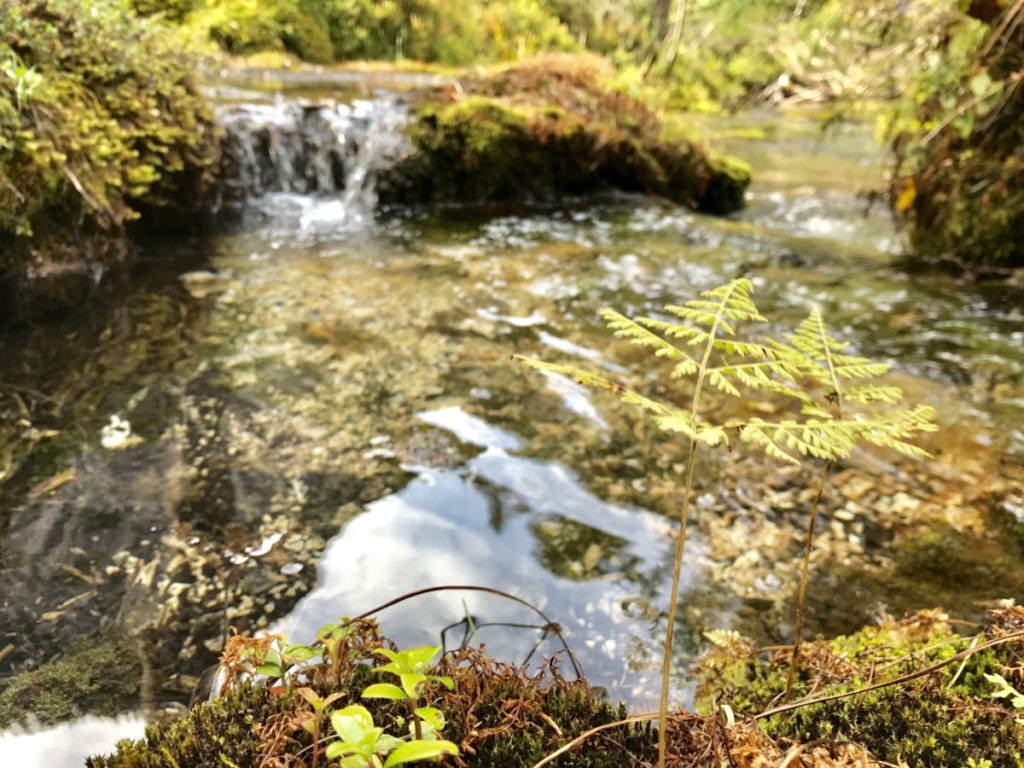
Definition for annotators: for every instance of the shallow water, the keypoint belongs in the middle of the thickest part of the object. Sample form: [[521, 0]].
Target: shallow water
[[310, 381]]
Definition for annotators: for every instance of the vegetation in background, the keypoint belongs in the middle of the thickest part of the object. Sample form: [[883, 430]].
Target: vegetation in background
[[99, 116], [958, 182], [100, 120], [324, 31]]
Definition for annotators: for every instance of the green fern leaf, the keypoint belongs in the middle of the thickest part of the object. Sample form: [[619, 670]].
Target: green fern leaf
[[635, 333]]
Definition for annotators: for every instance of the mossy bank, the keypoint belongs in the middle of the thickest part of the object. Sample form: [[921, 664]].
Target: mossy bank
[[101, 124]]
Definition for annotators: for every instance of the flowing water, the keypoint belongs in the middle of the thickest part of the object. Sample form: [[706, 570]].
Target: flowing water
[[313, 411]]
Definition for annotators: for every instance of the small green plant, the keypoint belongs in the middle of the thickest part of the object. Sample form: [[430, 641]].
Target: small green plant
[[361, 744], [1006, 691], [27, 80], [722, 361], [410, 667], [313, 723]]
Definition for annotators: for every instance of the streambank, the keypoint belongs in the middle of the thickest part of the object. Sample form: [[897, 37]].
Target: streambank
[[956, 713], [90, 144]]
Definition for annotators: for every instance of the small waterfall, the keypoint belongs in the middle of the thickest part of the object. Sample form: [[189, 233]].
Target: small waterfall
[[318, 162]]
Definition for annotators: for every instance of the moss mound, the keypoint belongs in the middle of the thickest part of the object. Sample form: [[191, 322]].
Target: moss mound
[[498, 714], [549, 127], [945, 718], [100, 120], [109, 673]]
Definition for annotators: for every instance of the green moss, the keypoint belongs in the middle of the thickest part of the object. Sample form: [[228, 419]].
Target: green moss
[[934, 720], [550, 128], [223, 729], [100, 679], [100, 121]]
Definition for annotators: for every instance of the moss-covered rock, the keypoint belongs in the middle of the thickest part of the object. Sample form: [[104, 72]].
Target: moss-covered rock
[[100, 121], [102, 679], [548, 128]]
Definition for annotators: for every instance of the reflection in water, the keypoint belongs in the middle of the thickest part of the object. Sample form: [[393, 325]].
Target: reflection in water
[[68, 745], [513, 523]]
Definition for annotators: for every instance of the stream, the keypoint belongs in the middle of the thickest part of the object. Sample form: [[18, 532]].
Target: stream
[[313, 409]]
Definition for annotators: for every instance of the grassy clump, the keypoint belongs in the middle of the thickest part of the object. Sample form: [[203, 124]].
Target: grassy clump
[[500, 715], [945, 718], [550, 127]]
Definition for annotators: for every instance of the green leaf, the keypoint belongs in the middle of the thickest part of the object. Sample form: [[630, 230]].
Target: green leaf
[[432, 716], [353, 723], [384, 691], [270, 669], [420, 750], [980, 84], [444, 680], [411, 683], [300, 652]]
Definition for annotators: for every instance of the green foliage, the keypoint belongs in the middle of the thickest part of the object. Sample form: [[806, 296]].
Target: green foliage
[[323, 31], [361, 744], [958, 185], [410, 667], [99, 115]]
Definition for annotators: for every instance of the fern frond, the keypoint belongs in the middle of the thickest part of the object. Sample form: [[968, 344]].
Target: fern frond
[[702, 317], [893, 430], [653, 406], [634, 332], [678, 421], [789, 439], [700, 431], [720, 307], [862, 370], [674, 330], [579, 375], [587, 379]]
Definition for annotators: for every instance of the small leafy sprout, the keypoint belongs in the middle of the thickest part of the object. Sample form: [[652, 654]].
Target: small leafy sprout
[[361, 744], [410, 667], [277, 663], [1006, 691], [313, 723]]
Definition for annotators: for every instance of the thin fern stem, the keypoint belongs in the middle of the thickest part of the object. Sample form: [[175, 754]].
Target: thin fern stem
[[684, 519], [808, 544], [799, 624], [666, 662]]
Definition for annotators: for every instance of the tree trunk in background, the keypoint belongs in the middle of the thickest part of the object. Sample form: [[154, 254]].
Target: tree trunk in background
[[660, 11], [675, 38]]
